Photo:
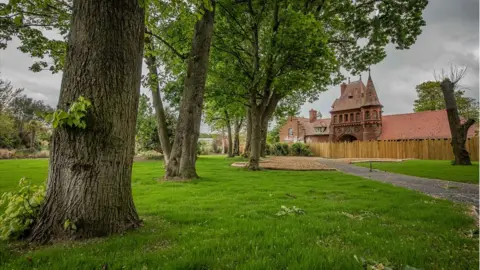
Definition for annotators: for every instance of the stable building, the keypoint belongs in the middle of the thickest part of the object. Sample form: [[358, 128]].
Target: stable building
[[357, 115]]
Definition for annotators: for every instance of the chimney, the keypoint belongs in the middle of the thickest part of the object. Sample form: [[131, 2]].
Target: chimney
[[313, 115], [343, 86]]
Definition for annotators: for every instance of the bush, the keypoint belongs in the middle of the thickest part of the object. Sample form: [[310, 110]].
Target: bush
[[280, 149], [300, 149], [28, 153], [21, 209]]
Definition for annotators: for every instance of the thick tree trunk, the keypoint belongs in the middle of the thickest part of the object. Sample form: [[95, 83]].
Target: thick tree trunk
[[229, 134], [458, 131], [248, 140], [89, 178], [255, 140], [260, 116], [264, 131], [236, 143], [183, 156], [160, 118]]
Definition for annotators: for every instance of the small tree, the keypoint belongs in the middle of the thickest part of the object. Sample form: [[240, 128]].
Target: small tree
[[459, 131]]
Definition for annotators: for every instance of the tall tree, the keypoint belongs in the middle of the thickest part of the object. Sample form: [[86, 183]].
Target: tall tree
[[280, 47], [458, 130], [182, 160], [7, 94], [89, 180], [430, 98]]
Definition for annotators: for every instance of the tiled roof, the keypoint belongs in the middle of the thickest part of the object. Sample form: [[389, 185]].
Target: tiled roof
[[421, 125], [310, 127], [356, 95], [351, 98]]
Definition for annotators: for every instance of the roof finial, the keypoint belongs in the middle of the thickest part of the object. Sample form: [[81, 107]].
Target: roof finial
[[348, 79], [360, 76], [369, 76]]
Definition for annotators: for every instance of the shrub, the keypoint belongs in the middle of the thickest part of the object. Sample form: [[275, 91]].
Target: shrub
[[268, 149], [300, 149], [280, 149], [21, 209]]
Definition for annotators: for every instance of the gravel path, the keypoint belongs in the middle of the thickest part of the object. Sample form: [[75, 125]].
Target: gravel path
[[454, 191]]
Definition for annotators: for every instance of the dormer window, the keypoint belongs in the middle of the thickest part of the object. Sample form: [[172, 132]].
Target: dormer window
[[320, 129], [290, 132], [350, 97]]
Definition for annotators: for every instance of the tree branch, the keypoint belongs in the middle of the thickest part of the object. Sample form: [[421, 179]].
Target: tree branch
[[182, 56], [466, 126]]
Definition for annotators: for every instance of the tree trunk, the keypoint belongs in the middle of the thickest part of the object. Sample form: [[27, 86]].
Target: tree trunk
[[224, 147], [236, 143], [32, 144], [89, 178], [458, 131], [246, 149], [183, 156], [263, 143], [160, 118], [229, 134], [260, 116], [255, 140]]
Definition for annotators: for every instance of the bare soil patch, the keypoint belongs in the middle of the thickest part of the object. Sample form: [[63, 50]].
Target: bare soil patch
[[290, 164]]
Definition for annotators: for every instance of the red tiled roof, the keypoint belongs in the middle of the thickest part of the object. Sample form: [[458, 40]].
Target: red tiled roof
[[310, 126], [421, 125], [351, 98]]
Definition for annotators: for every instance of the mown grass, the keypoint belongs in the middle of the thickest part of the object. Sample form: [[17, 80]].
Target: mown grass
[[434, 169], [226, 220]]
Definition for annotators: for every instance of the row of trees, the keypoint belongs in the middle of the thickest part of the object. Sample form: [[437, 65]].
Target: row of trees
[[258, 54], [20, 125]]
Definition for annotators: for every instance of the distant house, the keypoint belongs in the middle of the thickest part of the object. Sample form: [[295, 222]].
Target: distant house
[[357, 115]]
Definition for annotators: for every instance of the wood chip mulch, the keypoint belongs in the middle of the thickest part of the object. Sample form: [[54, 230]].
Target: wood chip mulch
[[290, 164]]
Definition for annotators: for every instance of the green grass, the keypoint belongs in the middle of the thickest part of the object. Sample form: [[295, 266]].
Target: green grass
[[435, 169], [226, 220]]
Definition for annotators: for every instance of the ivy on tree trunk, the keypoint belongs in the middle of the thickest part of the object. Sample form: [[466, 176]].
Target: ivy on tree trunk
[[89, 178]]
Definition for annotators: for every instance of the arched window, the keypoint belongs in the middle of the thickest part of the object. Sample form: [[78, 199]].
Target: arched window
[[341, 118], [346, 117], [335, 119], [351, 118], [375, 115], [367, 115], [357, 117], [290, 132]]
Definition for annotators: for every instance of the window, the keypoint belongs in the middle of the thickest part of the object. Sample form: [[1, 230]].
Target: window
[[357, 117], [290, 132], [350, 97], [375, 115], [335, 119], [346, 117], [367, 115], [341, 118], [320, 129], [351, 117]]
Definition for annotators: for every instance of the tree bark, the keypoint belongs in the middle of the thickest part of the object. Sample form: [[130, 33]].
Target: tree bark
[[458, 131], [224, 147], [183, 156], [89, 178], [236, 143], [160, 118], [229, 134], [246, 150], [260, 114]]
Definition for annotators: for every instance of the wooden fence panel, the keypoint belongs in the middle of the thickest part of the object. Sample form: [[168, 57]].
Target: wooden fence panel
[[439, 149]]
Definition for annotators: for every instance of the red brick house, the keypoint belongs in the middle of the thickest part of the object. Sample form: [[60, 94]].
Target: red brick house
[[357, 115]]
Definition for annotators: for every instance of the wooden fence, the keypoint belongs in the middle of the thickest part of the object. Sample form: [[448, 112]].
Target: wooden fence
[[420, 149]]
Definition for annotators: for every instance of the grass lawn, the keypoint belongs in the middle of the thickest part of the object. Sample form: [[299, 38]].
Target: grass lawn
[[226, 220], [435, 169]]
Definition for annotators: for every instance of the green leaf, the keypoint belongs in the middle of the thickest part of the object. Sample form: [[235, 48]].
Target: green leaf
[[18, 20]]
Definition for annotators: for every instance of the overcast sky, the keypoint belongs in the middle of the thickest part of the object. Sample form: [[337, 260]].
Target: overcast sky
[[451, 36]]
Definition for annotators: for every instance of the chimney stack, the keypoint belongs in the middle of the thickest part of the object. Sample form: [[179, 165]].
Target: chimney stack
[[343, 86], [313, 115]]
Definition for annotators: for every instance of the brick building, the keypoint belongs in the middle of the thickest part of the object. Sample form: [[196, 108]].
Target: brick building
[[357, 115]]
